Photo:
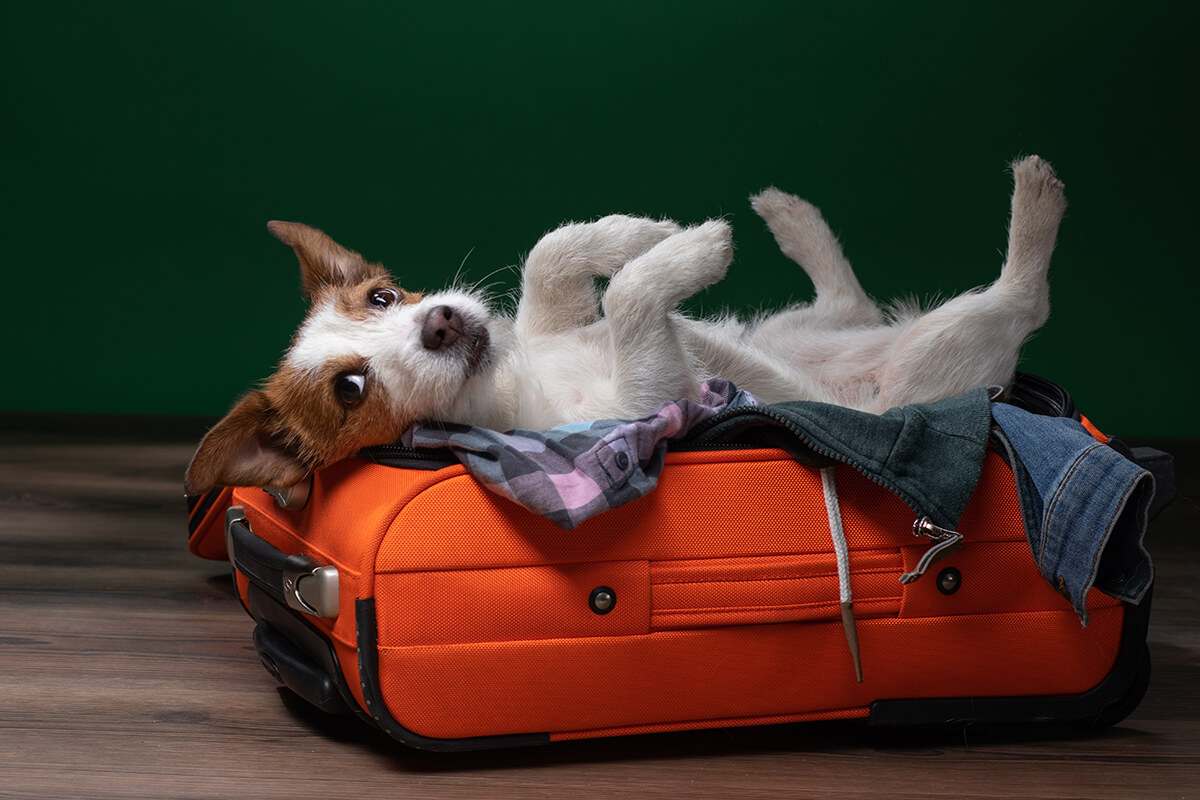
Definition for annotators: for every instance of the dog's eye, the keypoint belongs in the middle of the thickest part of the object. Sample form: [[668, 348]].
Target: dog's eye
[[384, 297], [350, 388]]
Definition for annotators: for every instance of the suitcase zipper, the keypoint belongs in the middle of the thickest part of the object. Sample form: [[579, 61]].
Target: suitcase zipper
[[945, 542], [399, 455], [802, 436]]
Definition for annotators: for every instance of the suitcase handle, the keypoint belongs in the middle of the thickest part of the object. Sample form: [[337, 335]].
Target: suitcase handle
[[295, 580]]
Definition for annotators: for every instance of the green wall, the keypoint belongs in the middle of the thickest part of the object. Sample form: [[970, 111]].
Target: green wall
[[147, 144]]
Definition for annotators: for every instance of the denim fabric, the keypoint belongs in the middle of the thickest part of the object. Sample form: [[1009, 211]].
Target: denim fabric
[[929, 455], [1084, 506]]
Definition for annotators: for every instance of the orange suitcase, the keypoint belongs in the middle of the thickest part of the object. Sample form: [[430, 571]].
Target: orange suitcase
[[453, 619]]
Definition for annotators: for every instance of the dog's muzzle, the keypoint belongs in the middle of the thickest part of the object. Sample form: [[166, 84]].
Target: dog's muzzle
[[443, 327]]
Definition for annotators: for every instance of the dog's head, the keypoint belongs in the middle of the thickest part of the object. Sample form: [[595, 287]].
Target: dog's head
[[368, 361]]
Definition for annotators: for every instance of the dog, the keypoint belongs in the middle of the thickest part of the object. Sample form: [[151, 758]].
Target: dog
[[371, 358]]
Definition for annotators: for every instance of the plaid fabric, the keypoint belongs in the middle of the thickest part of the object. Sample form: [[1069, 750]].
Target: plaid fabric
[[570, 473]]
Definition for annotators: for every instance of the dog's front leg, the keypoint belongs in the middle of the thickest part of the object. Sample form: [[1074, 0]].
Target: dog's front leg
[[558, 293], [650, 363]]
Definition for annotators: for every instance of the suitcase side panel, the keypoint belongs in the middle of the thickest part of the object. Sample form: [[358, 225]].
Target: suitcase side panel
[[712, 676], [534, 658]]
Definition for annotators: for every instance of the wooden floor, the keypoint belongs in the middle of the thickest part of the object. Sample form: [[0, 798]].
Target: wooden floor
[[126, 671]]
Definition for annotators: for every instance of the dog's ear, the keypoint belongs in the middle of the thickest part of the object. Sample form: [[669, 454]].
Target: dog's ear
[[241, 450], [323, 262]]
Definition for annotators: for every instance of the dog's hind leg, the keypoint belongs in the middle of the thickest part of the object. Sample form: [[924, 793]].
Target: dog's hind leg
[[651, 363], [558, 292], [805, 237], [975, 339]]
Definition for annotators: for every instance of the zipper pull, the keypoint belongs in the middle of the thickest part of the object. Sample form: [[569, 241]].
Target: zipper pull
[[945, 542]]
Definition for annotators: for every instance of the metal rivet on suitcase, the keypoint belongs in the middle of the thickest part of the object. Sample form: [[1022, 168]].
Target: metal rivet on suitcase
[[602, 599], [949, 580]]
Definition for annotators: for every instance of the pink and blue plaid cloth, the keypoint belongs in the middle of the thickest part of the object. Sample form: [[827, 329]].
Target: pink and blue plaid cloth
[[570, 473]]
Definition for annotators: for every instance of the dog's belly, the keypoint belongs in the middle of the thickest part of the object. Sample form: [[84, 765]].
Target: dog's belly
[[841, 367], [576, 374]]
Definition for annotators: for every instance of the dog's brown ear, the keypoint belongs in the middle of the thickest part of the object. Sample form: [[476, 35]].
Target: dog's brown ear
[[240, 451], [323, 262]]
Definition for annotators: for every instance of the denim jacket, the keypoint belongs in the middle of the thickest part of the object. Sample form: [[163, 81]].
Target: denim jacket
[[1085, 506]]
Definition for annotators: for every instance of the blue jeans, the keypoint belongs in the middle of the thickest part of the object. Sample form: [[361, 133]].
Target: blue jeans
[[1084, 505]]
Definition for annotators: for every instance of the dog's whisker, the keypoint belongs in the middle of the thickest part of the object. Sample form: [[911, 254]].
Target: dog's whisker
[[457, 279], [493, 273]]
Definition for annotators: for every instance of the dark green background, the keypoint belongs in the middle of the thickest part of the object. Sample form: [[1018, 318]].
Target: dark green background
[[147, 144]]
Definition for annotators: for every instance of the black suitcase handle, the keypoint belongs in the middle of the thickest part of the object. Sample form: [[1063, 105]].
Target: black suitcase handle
[[297, 581], [294, 652]]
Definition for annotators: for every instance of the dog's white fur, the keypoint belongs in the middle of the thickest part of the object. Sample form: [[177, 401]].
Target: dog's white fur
[[561, 360]]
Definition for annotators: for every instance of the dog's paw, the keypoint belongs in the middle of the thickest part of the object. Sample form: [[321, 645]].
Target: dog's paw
[[776, 207], [1038, 204], [804, 237], [598, 248], [675, 268], [618, 239], [1036, 185], [699, 255], [637, 232]]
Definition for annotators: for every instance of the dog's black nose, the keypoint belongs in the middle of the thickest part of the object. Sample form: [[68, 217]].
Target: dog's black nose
[[442, 327]]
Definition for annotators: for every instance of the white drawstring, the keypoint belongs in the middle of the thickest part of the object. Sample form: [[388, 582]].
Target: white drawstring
[[842, 552]]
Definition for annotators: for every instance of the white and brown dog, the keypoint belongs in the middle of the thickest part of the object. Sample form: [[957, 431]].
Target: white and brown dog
[[370, 359]]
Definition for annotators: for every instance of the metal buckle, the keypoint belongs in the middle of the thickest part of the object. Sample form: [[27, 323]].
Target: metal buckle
[[945, 543], [310, 587]]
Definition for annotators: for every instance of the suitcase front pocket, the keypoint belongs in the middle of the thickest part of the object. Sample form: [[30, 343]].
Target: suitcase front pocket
[[507, 604], [705, 593]]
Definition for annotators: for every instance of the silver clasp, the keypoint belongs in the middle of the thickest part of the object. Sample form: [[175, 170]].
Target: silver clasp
[[310, 587], [945, 542]]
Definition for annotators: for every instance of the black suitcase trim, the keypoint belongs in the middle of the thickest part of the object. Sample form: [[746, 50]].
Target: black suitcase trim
[[368, 670]]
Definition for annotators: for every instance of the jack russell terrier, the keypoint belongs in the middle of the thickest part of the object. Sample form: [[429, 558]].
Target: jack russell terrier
[[371, 358]]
